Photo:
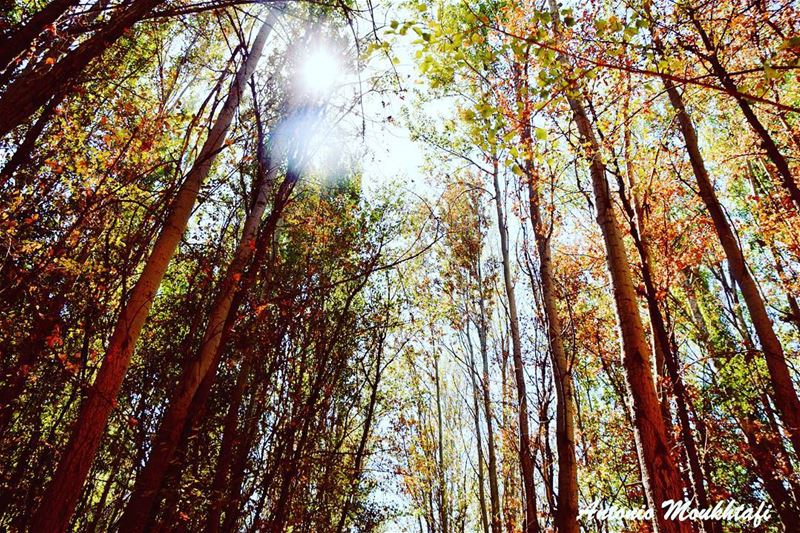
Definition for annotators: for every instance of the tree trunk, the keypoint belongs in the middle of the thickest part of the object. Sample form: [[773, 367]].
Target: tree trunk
[[478, 435], [660, 477], [239, 464], [151, 478], [763, 453], [767, 142], [525, 455], [31, 91], [494, 491], [793, 314], [665, 347], [566, 516], [230, 436], [784, 392], [443, 501], [361, 451], [25, 149], [567, 510], [62, 494], [47, 322], [21, 38]]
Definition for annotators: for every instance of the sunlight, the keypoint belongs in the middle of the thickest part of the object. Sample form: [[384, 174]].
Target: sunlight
[[320, 71]]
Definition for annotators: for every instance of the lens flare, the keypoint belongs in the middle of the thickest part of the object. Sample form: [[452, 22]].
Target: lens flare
[[320, 72]]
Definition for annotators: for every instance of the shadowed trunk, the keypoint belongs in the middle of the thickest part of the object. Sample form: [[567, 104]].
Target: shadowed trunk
[[31, 91], [151, 478], [21, 38]]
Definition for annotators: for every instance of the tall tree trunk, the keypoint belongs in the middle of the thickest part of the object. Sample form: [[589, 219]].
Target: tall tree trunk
[[239, 464], [636, 215], [62, 494], [48, 322], [566, 518], [764, 461], [326, 379], [793, 314], [525, 454], [662, 343], [660, 477], [784, 391], [166, 440], [510, 508], [567, 510]]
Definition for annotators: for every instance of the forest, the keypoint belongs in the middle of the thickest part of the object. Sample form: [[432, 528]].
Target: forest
[[452, 266]]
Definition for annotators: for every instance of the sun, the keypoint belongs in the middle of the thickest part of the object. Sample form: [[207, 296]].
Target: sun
[[320, 71]]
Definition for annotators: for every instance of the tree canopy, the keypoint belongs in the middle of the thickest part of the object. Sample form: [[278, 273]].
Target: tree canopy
[[413, 266]]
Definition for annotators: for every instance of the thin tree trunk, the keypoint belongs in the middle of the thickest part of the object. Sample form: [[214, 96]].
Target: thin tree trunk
[[767, 142], [525, 455], [443, 503], [696, 476], [101, 503], [566, 516], [494, 491], [764, 461], [230, 435], [478, 434], [358, 462], [46, 324], [239, 465], [567, 509], [23, 152], [793, 314], [636, 219], [660, 477], [291, 470], [510, 508], [62, 494]]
